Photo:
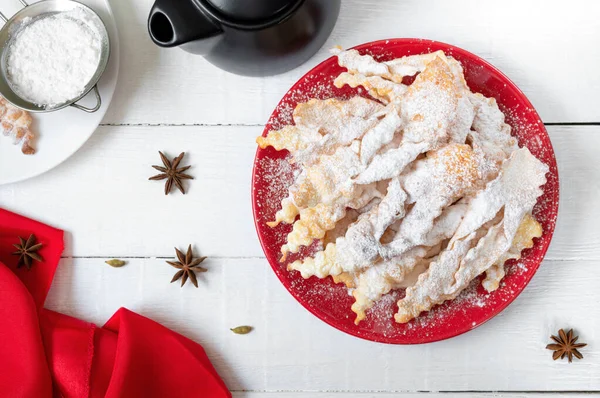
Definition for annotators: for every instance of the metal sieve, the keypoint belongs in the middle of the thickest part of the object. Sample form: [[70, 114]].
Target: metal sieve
[[40, 10]]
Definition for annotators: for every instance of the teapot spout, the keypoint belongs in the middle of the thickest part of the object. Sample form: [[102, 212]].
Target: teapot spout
[[175, 22]]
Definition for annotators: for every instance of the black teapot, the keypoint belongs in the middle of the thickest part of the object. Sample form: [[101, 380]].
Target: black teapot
[[246, 37]]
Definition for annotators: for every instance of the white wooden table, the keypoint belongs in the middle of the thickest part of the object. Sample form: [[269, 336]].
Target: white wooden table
[[172, 101]]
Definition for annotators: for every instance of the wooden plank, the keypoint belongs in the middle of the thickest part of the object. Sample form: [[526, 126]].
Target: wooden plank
[[103, 199], [292, 350], [545, 49]]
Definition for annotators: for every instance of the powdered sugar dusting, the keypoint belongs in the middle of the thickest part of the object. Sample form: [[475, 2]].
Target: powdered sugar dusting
[[317, 85], [330, 301], [277, 174]]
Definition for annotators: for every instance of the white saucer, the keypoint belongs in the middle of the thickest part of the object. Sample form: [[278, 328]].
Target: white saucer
[[61, 133]]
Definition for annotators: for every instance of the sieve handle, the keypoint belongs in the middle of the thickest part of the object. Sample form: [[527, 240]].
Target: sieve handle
[[3, 17], [95, 108]]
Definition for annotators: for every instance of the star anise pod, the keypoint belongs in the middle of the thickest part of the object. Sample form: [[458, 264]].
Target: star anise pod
[[186, 266], [172, 173], [27, 251], [565, 345]]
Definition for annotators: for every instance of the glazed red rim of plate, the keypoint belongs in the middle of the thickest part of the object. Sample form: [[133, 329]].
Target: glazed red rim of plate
[[331, 302]]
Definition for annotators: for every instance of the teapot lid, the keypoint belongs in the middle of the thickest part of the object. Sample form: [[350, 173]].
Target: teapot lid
[[246, 13]]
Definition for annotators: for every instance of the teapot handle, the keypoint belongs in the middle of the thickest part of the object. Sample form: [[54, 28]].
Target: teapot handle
[[175, 22]]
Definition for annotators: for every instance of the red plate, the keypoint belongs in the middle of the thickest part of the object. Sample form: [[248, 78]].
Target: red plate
[[331, 302]]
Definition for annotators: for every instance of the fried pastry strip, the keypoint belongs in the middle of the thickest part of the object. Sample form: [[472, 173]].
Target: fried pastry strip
[[476, 245], [291, 138], [379, 88], [314, 222], [378, 280], [429, 108], [394, 70], [339, 123], [329, 114], [322, 125], [528, 230], [435, 183], [359, 246]]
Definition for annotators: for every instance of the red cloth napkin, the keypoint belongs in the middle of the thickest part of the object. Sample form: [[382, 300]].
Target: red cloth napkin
[[47, 354]]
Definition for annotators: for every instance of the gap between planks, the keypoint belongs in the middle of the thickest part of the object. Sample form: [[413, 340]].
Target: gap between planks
[[419, 392], [166, 257], [182, 125], [262, 125]]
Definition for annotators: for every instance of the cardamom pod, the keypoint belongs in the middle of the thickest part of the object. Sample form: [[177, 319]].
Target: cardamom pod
[[115, 263], [242, 330]]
